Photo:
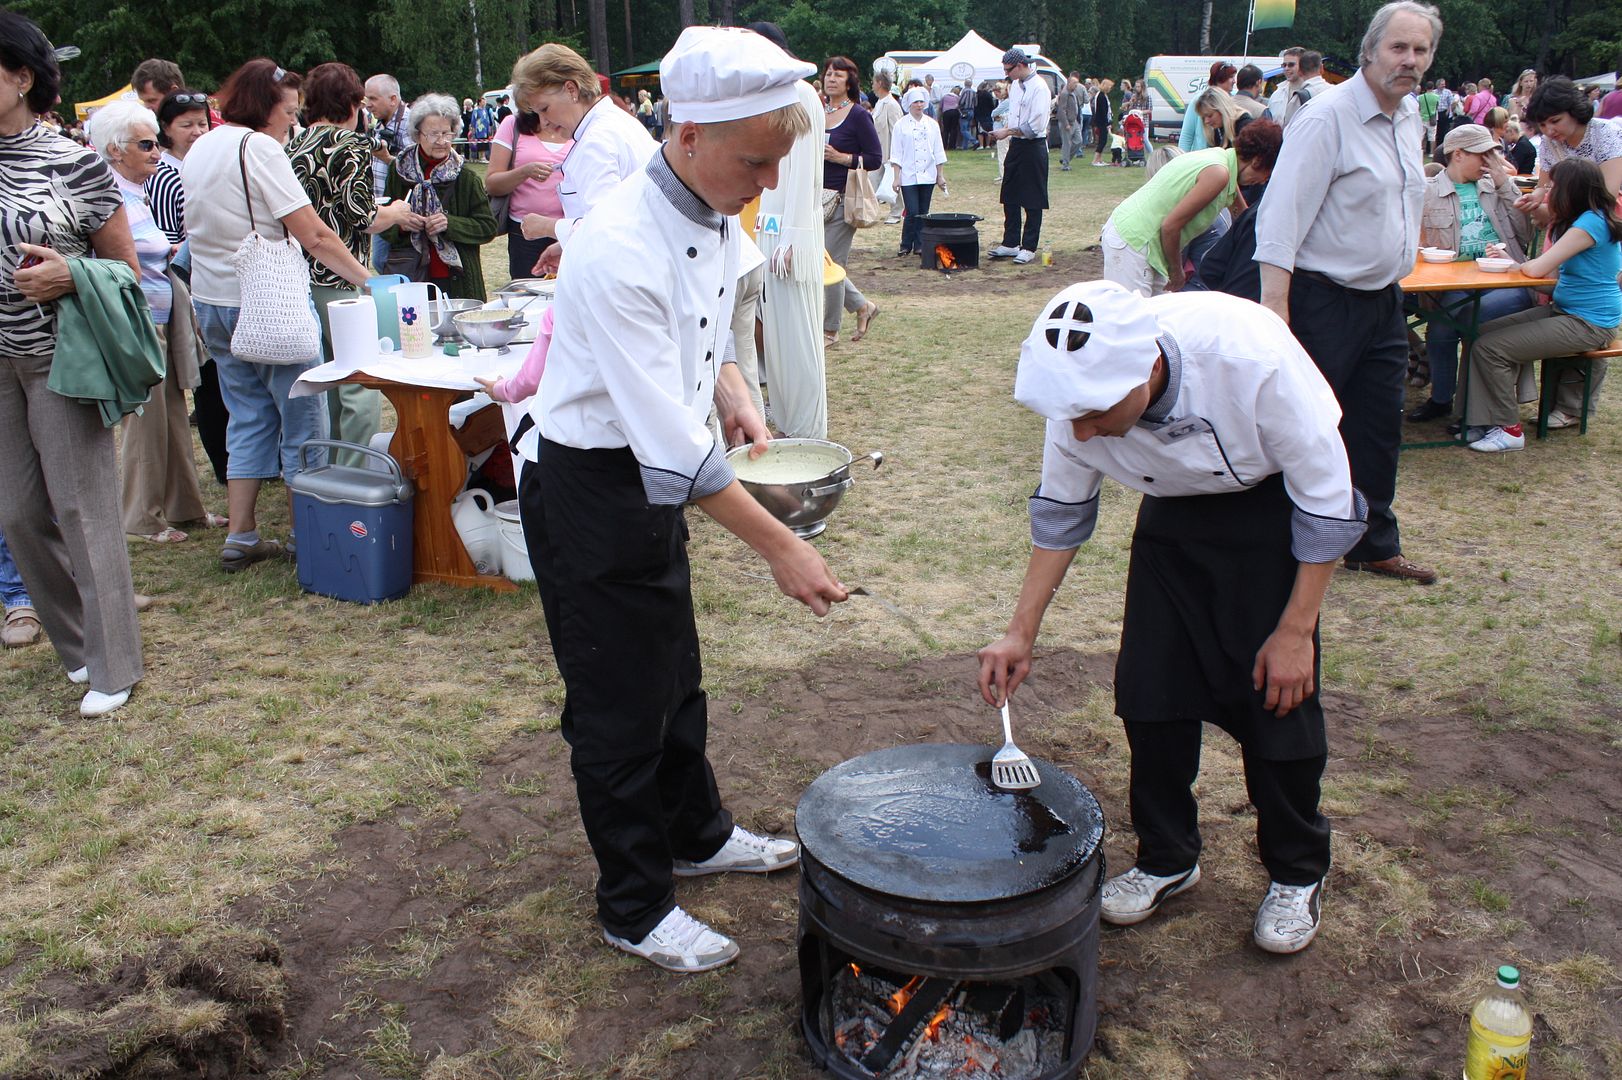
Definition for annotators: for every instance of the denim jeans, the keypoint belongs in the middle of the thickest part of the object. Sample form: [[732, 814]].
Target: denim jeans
[[916, 198], [1442, 340], [12, 592], [380, 254], [268, 426]]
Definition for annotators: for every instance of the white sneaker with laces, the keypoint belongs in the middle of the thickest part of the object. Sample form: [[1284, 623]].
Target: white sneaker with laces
[[1497, 441], [79, 675], [1024, 257], [1003, 251], [1558, 420], [680, 943], [744, 853], [1288, 919], [96, 703], [1131, 897]]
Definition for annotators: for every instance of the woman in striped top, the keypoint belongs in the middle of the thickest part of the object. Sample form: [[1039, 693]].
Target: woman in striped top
[[182, 119]]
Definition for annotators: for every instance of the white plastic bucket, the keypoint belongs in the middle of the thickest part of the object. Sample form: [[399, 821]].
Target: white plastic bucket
[[473, 514], [514, 553]]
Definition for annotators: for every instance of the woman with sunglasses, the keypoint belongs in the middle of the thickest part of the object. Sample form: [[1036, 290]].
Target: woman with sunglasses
[[160, 474]]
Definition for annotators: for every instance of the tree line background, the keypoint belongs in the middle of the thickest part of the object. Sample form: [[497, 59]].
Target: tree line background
[[462, 46]]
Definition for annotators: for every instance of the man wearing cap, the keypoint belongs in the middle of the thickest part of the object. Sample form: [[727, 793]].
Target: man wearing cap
[[1025, 173], [639, 352], [1207, 405], [1337, 232]]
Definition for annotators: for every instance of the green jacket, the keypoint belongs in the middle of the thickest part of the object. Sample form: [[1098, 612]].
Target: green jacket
[[467, 206], [107, 352]]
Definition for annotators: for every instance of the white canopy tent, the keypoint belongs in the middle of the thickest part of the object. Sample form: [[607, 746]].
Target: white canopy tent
[[1606, 81], [972, 59]]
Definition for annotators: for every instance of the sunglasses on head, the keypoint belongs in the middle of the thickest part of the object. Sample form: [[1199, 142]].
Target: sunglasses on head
[[190, 99]]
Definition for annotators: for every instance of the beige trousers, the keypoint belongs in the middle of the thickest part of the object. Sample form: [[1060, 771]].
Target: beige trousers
[[160, 469]]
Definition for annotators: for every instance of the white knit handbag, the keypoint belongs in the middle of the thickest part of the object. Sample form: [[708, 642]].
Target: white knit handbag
[[276, 324]]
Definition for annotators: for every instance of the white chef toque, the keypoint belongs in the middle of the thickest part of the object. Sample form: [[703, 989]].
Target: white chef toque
[[1111, 352], [917, 95], [718, 73]]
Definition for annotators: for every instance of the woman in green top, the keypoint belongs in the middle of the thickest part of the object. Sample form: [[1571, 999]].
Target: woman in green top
[[1145, 236], [440, 244]]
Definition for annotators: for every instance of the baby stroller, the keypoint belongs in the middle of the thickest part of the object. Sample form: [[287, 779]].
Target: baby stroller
[[1132, 127]]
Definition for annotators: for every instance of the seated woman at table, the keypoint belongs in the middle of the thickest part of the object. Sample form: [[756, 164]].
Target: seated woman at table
[[1469, 209], [450, 200], [1144, 238], [1585, 257]]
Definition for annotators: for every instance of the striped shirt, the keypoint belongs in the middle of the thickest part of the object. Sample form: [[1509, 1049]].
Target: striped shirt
[[167, 197]]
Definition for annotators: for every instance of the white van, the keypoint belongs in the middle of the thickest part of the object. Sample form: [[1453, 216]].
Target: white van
[[1175, 81]]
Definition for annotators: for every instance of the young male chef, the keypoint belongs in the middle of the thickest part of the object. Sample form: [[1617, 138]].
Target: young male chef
[[1206, 404], [639, 351]]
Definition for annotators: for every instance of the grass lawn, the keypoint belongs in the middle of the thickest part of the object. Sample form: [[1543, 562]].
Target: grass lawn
[[325, 839]]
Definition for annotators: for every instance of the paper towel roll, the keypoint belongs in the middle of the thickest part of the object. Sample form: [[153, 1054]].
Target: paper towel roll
[[354, 331]]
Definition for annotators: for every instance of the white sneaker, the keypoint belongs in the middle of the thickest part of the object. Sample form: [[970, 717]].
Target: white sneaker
[[680, 943], [892, 221], [1003, 251], [79, 675], [1558, 420], [1134, 896], [1025, 257], [1287, 921], [744, 853], [96, 703], [1497, 440]]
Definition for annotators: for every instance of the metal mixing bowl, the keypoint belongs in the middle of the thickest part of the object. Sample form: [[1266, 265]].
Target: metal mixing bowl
[[483, 332], [811, 476], [442, 317]]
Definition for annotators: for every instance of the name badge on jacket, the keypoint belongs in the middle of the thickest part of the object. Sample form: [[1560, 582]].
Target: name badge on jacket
[[1176, 430]]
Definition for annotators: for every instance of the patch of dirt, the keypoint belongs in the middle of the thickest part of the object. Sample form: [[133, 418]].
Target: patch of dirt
[[412, 922]]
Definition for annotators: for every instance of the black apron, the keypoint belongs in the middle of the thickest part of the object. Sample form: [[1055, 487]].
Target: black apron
[[1209, 578], [1025, 174]]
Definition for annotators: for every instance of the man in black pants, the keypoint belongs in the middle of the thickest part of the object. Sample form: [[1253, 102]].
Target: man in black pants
[[1025, 173], [1338, 229], [1205, 404]]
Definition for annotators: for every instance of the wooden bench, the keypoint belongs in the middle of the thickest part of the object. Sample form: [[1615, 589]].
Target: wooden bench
[[1556, 366]]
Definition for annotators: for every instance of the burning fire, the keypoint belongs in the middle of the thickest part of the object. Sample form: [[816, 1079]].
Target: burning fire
[[899, 999], [944, 257], [933, 1029]]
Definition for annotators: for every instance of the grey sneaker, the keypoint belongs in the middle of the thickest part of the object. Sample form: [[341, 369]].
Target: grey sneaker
[[1003, 251], [744, 853], [1287, 921], [1134, 896], [680, 943]]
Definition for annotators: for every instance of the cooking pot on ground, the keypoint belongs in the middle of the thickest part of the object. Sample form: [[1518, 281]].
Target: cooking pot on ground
[[799, 481]]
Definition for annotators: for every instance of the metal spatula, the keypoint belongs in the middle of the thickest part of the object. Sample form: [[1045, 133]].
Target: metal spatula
[[1011, 770]]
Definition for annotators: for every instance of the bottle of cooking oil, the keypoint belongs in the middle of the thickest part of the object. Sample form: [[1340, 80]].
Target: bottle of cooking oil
[[1500, 1032]]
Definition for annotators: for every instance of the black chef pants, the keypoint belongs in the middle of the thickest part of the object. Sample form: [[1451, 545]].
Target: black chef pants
[[615, 587], [1024, 192], [1292, 835], [1359, 340]]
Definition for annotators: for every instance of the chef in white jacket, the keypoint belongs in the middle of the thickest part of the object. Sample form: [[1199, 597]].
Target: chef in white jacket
[[639, 352], [1207, 405], [610, 144]]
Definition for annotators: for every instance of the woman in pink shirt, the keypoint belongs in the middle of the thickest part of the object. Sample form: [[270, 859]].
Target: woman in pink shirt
[[524, 166]]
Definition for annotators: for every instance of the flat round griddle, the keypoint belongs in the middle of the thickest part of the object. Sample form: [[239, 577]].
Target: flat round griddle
[[925, 823]]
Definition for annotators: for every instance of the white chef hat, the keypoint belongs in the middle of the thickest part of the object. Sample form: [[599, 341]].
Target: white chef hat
[[1093, 344], [916, 96], [717, 73]]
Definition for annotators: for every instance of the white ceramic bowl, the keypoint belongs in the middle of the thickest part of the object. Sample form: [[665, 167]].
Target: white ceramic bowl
[[1494, 266], [1438, 255]]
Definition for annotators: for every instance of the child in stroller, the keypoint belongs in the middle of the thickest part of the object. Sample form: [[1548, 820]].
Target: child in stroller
[[1132, 127]]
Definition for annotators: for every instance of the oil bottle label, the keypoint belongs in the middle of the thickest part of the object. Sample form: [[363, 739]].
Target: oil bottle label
[[1491, 1056]]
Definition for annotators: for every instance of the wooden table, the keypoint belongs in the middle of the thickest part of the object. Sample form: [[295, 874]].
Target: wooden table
[[1463, 315], [433, 457]]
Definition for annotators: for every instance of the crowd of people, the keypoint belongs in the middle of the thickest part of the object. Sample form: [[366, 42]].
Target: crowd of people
[[1308, 203]]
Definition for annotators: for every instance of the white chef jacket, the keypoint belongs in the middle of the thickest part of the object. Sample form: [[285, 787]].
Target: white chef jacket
[[642, 325], [1030, 105], [916, 146], [609, 145], [1243, 401]]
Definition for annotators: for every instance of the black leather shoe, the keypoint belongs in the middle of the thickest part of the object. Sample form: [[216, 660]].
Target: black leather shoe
[[1429, 410]]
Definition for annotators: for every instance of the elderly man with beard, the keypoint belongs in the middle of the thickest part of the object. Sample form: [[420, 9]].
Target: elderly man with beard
[[1339, 228]]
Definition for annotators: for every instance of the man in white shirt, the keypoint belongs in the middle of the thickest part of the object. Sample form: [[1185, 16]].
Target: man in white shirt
[[1290, 60], [1206, 404], [638, 355], [1309, 70], [390, 138], [1025, 173], [1339, 228], [887, 112]]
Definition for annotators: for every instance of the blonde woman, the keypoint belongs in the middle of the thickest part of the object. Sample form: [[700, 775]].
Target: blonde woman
[[1103, 119], [1521, 95], [556, 84], [1222, 116]]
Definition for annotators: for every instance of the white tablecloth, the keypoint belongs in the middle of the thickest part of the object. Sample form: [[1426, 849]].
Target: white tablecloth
[[436, 369]]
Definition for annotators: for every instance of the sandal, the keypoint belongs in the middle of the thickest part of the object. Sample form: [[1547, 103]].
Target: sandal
[[171, 535], [22, 628], [238, 557], [864, 319], [829, 340], [215, 521]]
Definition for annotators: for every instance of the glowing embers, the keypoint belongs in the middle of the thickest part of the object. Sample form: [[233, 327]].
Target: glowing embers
[[926, 1027]]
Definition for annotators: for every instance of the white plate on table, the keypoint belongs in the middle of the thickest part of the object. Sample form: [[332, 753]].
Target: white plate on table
[[1494, 266], [1437, 255]]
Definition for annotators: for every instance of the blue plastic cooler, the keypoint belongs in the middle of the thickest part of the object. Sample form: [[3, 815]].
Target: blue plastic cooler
[[353, 527]]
